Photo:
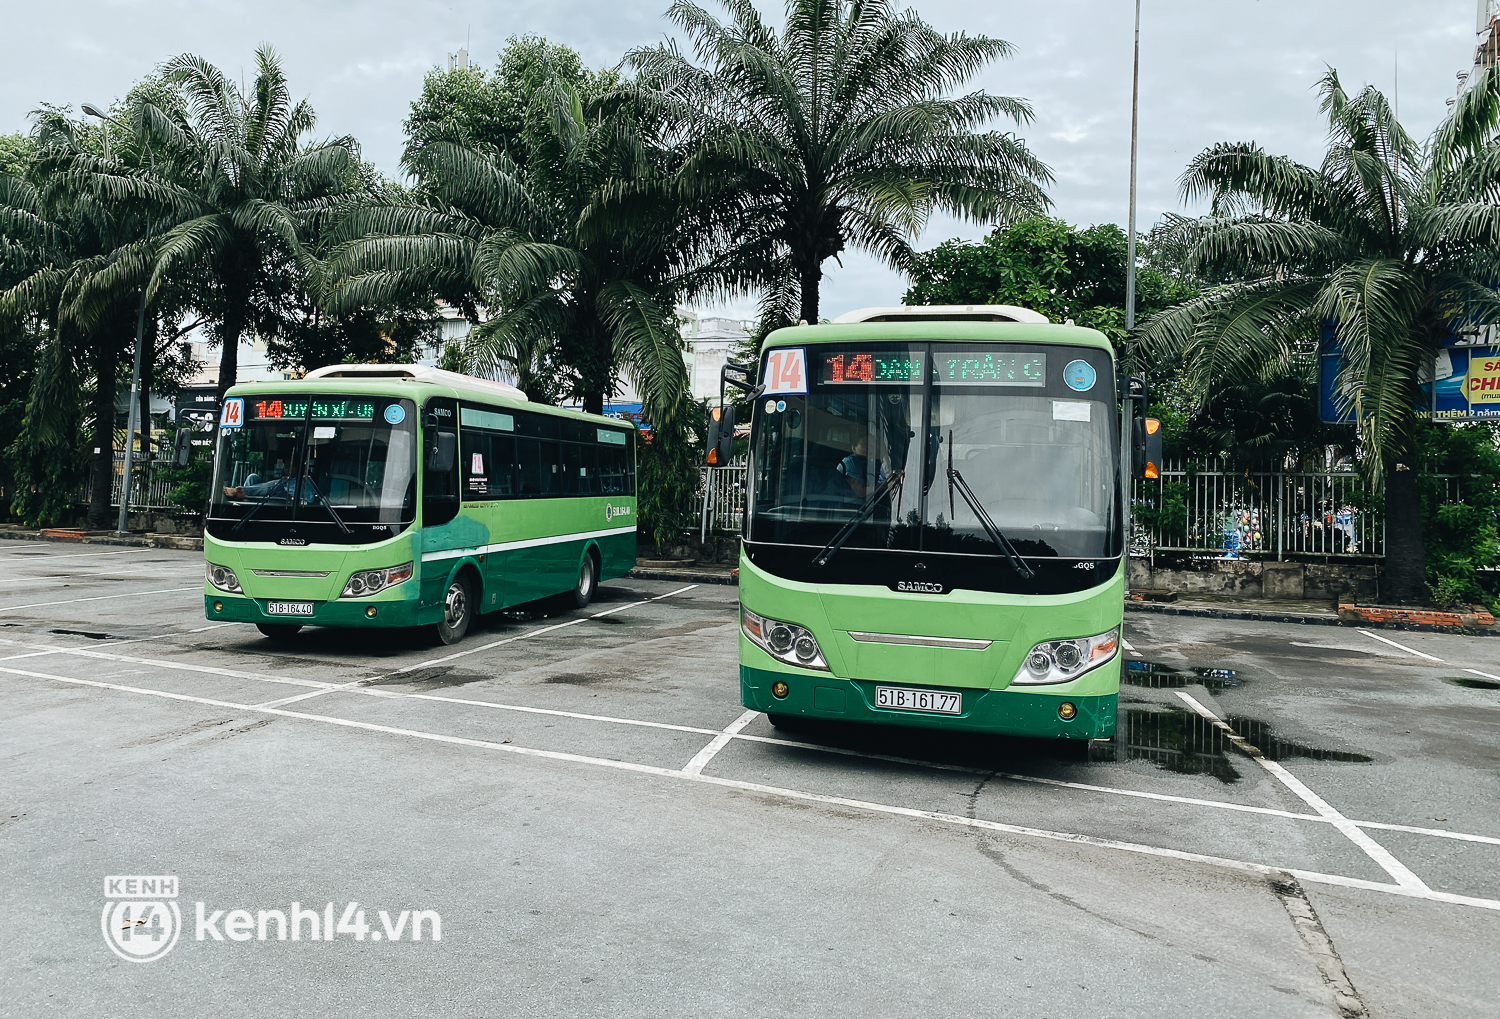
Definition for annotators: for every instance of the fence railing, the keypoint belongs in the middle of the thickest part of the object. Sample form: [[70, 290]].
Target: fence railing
[[1193, 508], [149, 489], [723, 495]]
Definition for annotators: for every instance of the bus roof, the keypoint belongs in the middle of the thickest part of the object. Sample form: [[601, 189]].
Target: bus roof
[[919, 329], [414, 382]]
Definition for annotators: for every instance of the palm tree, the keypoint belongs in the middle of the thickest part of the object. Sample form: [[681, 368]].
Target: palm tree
[[238, 188], [516, 248], [837, 132], [73, 242], [1388, 245]]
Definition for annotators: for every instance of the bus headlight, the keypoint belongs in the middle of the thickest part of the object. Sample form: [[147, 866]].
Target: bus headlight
[[786, 642], [1060, 661], [224, 579], [368, 582]]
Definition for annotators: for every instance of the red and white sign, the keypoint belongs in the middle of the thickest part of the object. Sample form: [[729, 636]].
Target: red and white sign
[[233, 414], [476, 465], [786, 371]]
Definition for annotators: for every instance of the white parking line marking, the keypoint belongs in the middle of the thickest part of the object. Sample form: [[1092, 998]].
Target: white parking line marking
[[1403, 647], [1128, 646], [49, 557], [1442, 833], [1345, 647], [534, 633], [1486, 675], [181, 666], [1374, 850], [1242, 866], [102, 597], [719, 742]]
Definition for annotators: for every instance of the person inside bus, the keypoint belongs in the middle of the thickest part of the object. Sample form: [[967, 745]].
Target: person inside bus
[[278, 489], [861, 472]]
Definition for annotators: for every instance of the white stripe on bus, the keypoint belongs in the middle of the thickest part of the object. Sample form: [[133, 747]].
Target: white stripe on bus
[[506, 546]]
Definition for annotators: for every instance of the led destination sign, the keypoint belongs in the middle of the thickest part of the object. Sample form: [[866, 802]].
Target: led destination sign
[[362, 410], [949, 368]]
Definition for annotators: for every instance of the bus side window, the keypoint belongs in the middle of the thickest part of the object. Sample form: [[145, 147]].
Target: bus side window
[[612, 469], [475, 464], [583, 468], [502, 467], [551, 467], [528, 468]]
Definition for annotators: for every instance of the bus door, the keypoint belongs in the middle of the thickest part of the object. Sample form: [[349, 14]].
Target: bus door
[[440, 498]]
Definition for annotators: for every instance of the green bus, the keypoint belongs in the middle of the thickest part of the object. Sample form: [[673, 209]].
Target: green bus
[[935, 521], [408, 496]]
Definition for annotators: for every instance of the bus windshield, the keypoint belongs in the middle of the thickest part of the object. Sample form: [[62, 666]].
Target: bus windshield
[[1037, 452], [334, 460]]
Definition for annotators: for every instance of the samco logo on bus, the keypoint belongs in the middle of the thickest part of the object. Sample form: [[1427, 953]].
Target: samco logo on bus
[[1483, 385]]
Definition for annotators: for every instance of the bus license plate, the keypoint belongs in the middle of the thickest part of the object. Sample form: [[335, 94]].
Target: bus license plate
[[901, 698], [289, 608]]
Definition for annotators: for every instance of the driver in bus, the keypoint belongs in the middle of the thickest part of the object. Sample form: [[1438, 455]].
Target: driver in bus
[[862, 473], [278, 488]]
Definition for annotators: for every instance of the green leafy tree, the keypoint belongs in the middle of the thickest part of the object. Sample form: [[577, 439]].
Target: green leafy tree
[[238, 189], [1461, 535], [1390, 244], [512, 244], [1049, 267], [837, 132]]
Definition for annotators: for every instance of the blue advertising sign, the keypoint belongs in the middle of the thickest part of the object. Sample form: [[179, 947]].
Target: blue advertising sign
[[1464, 384]]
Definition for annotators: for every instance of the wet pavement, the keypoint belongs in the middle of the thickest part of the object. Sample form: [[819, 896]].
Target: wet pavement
[[605, 831]]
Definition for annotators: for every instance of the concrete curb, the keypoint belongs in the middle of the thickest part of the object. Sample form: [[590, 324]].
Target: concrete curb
[[687, 576], [161, 541], [1298, 617]]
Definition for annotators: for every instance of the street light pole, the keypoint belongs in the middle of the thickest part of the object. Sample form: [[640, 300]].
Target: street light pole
[[133, 416], [1135, 93]]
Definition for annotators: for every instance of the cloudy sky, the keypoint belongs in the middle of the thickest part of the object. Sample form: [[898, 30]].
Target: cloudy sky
[[1211, 70]]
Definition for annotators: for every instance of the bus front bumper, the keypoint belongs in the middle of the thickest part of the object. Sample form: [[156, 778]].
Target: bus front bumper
[[1005, 712], [240, 609]]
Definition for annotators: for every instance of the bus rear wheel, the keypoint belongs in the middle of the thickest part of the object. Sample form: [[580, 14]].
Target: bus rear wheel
[[279, 631], [458, 611], [588, 582]]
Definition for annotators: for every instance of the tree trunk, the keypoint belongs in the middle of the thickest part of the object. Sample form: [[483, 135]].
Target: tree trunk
[[229, 356], [148, 375], [1405, 578], [812, 275], [102, 463]]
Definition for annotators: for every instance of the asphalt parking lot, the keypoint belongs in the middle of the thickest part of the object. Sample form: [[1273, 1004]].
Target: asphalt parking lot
[[1291, 821]]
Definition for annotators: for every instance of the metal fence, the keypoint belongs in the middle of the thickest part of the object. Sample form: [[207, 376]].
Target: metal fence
[[149, 489], [1208, 508], [723, 495], [1196, 508]]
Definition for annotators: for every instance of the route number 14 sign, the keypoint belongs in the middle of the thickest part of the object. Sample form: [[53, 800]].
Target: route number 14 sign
[[786, 371]]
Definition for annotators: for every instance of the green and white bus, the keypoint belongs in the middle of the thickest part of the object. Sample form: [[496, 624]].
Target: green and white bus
[[934, 527], [404, 496]]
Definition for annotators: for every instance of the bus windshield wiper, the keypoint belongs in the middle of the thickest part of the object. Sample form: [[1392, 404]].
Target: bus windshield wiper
[[326, 505], [845, 532], [254, 510], [956, 480]]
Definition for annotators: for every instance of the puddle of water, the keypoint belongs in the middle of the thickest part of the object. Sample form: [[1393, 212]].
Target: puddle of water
[[1473, 684], [1191, 745], [90, 634], [1160, 676]]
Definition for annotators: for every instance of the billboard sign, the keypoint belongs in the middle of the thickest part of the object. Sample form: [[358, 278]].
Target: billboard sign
[[1463, 384]]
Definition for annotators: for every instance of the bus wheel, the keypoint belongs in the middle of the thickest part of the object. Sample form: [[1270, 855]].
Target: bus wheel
[[458, 611], [588, 582], [278, 631], [787, 722]]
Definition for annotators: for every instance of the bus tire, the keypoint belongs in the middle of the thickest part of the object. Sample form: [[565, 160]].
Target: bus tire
[[787, 722], [588, 581], [279, 631], [458, 611]]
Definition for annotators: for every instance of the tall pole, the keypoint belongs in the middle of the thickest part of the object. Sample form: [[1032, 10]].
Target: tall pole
[[1135, 95], [1127, 430], [135, 409]]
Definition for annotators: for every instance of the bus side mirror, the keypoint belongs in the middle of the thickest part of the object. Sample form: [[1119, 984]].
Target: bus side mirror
[[720, 435], [442, 452], [184, 449], [1148, 448]]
